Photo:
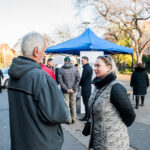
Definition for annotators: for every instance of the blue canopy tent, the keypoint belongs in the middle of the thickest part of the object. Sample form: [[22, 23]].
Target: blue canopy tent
[[88, 41]]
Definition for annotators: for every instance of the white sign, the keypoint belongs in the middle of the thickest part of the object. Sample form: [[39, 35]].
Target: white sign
[[58, 59], [92, 55]]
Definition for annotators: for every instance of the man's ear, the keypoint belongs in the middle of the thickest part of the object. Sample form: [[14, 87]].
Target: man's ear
[[35, 52]]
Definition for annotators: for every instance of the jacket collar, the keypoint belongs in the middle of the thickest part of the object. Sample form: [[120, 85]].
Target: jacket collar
[[86, 65], [101, 82], [139, 69]]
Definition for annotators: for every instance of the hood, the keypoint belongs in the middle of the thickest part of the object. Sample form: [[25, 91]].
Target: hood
[[20, 66], [67, 66]]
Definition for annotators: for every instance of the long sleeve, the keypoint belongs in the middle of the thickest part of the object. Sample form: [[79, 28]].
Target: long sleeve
[[147, 80], [120, 100], [131, 81], [86, 74], [53, 75], [52, 108], [75, 86], [60, 80]]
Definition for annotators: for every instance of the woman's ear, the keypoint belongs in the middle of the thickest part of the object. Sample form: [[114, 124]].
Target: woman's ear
[[109, 67]]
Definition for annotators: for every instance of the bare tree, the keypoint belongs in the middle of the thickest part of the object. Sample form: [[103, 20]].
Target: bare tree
[[126, 14], [48, 40], [67, 32], [17, 47], [62, 33]]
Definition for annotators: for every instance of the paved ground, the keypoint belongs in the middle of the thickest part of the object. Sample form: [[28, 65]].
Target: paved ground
[[70, 142], [139, 132]]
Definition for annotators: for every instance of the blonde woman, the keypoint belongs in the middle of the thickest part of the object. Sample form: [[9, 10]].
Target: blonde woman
[[110, 109]]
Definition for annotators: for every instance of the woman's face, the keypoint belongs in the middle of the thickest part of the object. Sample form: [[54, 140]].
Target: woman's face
[[101, 68]]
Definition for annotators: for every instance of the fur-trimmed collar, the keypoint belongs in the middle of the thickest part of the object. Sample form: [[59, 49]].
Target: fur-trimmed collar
[[101, 82]]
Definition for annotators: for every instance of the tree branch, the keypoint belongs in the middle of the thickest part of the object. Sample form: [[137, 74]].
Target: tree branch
[[144, 18], [145, 46], [105, 15]]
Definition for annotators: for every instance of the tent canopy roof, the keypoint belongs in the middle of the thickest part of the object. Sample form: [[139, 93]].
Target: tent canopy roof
[[88, 41]]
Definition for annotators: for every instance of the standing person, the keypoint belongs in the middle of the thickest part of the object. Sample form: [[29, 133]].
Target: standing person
[[139, 82], [110, 109], [1, 77], [85, 84], [36, 105], [49, 71], [56, 74], [77, 66], [50, 64], [69, 80]]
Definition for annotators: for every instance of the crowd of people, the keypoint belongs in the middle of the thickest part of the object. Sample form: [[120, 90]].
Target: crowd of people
[[38, 106]]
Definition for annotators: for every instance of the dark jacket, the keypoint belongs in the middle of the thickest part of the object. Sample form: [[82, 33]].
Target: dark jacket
[[139, 81], [1, 76], [85, 81], [118, 98], [36, 106], [68, 77], [56, 74]]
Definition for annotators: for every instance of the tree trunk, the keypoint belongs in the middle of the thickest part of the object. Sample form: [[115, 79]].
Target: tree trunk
[[139, 57], [139, 54]]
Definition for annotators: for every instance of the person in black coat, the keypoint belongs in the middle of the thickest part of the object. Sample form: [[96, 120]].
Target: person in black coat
[[139, 82], [85, 84], [1, 76]]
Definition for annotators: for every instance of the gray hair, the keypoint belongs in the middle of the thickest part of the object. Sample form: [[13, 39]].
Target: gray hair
[[108, 60], [30, 41]]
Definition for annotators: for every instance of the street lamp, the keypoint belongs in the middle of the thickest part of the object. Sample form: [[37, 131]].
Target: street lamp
[[86, 23]]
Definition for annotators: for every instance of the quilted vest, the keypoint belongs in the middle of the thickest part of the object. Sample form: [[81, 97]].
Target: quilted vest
[[108, 131]]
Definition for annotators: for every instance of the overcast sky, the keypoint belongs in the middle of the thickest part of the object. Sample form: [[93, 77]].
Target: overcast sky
[[19, 17]]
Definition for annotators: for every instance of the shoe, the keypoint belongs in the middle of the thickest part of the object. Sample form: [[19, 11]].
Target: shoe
[[84, 119], [142, 104], [136, 107], [68, 122], [73, 121]]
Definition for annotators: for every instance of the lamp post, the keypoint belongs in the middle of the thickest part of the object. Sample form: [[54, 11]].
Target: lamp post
[[86, 23]]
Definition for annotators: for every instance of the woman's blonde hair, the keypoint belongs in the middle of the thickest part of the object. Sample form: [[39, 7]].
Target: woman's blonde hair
[[108, 60]]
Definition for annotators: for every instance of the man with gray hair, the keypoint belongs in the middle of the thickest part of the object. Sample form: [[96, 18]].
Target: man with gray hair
[[37, 106]]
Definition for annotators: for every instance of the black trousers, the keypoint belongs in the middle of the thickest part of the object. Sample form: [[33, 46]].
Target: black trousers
[[138, 98], [86, 101]]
